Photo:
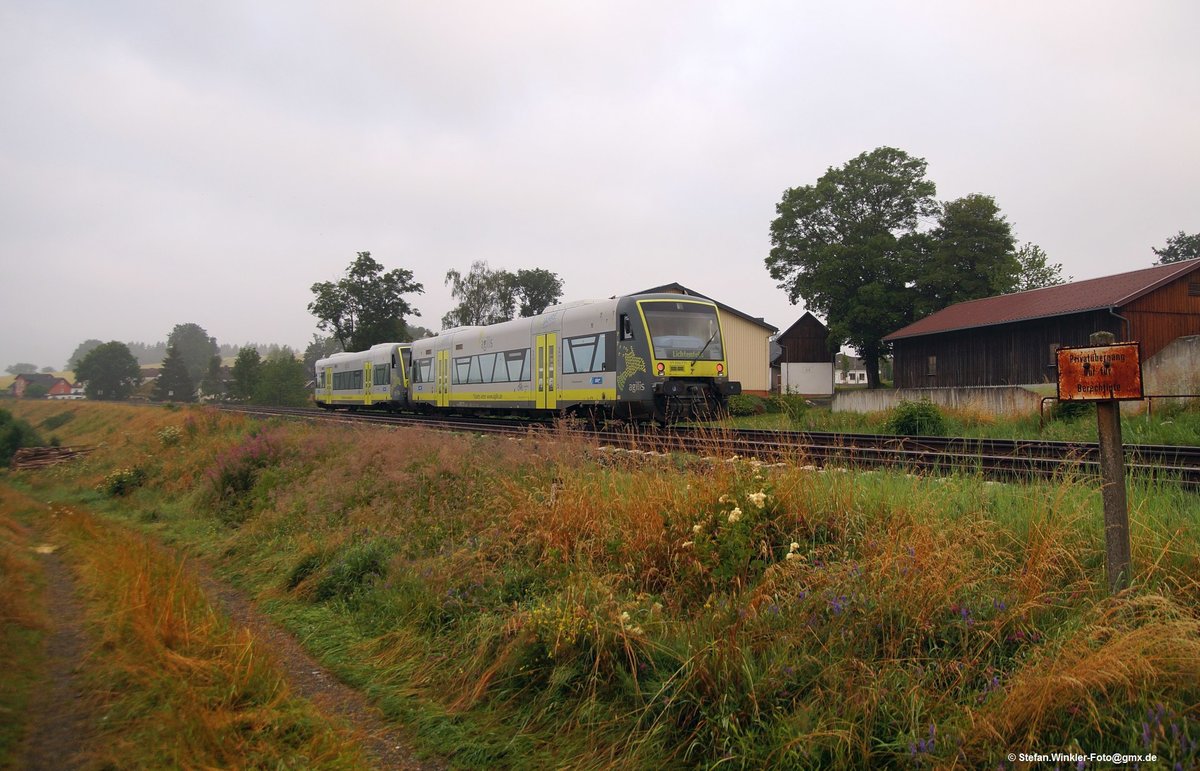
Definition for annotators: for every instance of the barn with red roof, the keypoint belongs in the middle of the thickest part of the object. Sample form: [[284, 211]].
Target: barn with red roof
[[1011, 339]]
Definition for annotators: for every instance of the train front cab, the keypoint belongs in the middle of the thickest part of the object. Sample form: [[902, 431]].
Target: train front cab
[[671, 362]]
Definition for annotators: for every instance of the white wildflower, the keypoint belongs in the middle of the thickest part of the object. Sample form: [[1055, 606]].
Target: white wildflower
[[758, 499], [625, 617], [696, 529], [794, 546], [735, 515]]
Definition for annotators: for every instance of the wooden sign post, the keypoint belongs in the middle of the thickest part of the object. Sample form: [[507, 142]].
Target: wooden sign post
[[1107, 373]]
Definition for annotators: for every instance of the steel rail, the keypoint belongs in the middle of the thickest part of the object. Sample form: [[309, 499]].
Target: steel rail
[[1009, 459]]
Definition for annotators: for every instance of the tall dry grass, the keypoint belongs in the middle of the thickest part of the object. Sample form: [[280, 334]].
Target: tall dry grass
[[177, 685], [630, 610], [23, 620]]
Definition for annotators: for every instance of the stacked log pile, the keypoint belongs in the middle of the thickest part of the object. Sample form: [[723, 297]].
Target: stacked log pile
[[41, 457]]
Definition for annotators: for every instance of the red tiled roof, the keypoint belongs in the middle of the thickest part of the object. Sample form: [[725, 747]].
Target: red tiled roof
[[1076, 297]]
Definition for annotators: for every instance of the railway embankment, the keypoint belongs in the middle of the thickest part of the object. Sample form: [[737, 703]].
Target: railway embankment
[[531, 601]]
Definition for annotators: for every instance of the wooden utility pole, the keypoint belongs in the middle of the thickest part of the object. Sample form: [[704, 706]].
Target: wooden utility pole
[[1106, 373], [1117, 557]]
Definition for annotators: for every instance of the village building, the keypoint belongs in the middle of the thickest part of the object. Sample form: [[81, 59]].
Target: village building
[[1012, 339], [50, 385], [801, 362]]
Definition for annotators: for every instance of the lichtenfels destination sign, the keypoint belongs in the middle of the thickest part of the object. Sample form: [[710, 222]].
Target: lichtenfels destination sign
[[1103, 372]]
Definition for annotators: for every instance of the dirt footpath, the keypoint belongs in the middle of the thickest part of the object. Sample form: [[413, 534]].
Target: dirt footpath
[[60, 719], [60, 716], [387, 746]]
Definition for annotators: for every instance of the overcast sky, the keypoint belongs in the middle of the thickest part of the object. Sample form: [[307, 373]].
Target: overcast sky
[[207, 162]]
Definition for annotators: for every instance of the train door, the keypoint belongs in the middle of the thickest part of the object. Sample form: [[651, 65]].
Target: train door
[[443, 378], [546, 367], [329, 385], [368, 382]]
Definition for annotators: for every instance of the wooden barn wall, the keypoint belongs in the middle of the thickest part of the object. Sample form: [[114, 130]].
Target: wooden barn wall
[[809, 343], [1165, 314], [1006, 354]]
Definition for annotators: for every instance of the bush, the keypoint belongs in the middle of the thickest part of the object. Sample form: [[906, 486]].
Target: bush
[[233, 475], [921, 418], [15, 433], [122, 482], [1070, 410], [741, 405], [360, 563]]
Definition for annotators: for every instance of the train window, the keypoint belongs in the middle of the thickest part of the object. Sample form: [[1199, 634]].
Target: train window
[[517, 365], [462, 369], [475, 375], [683, 330], [626, 327], [487, 368], [381, 376], [422, 371], [585, 354]]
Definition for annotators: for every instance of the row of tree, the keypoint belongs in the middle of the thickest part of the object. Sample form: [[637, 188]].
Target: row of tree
[[368, 305]]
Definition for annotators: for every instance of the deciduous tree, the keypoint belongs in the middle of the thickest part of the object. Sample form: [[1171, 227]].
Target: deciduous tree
[[1179, 247], [109, 371], [21, 368], [487, 296], [282, 381], [848, 245], [1037, 271], [484, 296], [972, 255], [367, 306], [537, 289], [195, 348]]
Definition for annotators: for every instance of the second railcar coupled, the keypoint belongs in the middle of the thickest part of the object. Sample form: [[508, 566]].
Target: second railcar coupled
[[654, 357]]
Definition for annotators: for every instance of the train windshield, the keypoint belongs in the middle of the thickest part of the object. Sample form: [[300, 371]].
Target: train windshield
[[683, 330]]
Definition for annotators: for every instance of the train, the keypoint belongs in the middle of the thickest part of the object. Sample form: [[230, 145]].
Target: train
[[644, 358]]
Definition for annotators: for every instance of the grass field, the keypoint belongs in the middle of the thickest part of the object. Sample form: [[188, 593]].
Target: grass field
[[541, 603]]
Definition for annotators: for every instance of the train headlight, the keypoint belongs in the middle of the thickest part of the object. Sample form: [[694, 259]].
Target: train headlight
[[661, 368], [720, 370]]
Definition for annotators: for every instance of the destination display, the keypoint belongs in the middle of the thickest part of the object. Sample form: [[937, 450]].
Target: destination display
[[1100, 373]]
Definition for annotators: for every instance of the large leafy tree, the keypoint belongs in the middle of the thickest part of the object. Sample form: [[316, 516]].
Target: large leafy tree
[[173, 382], [971, 256], [849, 246], [1179, 247], [1036, 271], [367, 306], [487, 296], [21, 368], [247, 369], [109, 371], [537, 289], [484, 296], [194, 347]]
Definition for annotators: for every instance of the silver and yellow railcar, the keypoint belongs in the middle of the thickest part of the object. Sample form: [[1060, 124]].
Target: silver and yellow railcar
[[639, 357], [376, 378]]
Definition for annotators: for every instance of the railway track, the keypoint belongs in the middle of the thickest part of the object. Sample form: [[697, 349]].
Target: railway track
[[993, 458]]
